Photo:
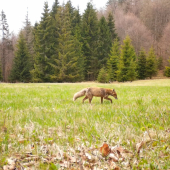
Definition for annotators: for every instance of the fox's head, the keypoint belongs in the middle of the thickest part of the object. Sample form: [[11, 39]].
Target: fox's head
[[114, 94]]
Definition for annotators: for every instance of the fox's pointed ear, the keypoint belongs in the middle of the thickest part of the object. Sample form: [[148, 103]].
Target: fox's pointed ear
[[113, 89]]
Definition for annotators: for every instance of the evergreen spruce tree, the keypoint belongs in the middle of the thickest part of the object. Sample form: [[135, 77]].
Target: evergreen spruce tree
[[53, 27], [121, 77], [103, 76], [89, 30], [29, 37], [75, 17], [151, 64], [54, 8], [112, 29], [34, 46], [21, 66], [167, 70], [141, 65], [76, 23], [69, 64], [127, 58], [104, 42], [70, 8], [76, 31], [113, 61], [45, 47], [160, 63], [27, 29], [132, 74]]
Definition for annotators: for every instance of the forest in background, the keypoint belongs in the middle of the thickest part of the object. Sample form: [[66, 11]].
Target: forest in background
[[125, 41]]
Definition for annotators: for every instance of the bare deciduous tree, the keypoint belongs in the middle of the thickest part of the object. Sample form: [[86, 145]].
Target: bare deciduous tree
[[129, 24], [155, 15], [165, 44]]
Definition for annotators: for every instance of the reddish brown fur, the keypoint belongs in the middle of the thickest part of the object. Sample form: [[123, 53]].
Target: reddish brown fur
[[99, 92]]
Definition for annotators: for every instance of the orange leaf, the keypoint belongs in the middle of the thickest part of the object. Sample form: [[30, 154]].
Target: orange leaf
[[105, 150]]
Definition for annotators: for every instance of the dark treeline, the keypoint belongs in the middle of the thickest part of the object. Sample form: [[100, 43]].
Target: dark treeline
[[122, 42]]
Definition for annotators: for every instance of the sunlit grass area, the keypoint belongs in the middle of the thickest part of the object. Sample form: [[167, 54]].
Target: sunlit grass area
[[41, 114]]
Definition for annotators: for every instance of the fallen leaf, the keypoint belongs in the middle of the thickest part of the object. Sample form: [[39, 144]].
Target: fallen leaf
[[135, 162], [121, 153], [9, 167], [29, 164], [139, 146], [11, 164], [113, 157], [113, 166], [96, 152], [88, 156], [105, 150], [65, 164], [122, 150], [5, 167], [125, 164], [73, 159], [11, 161], [35, 158]]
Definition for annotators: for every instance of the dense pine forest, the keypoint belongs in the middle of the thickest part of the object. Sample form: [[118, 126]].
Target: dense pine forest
[[125, 41]]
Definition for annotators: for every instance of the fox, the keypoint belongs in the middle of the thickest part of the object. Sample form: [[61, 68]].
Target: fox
[[97, 92]]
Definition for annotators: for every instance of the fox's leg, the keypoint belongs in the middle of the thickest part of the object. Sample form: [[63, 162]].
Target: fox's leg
[[84, 99], [102, 100], [108, 99], [90, 99]]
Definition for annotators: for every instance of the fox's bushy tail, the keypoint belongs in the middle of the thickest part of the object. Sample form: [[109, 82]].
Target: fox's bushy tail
[[80, 94]]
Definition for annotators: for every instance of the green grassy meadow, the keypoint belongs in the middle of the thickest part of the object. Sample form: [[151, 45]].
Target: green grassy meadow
[[36, 115]]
